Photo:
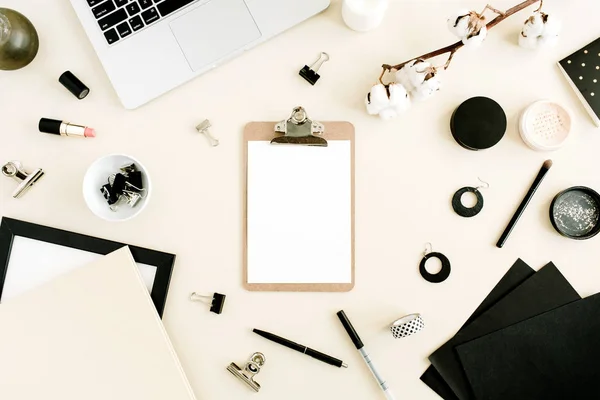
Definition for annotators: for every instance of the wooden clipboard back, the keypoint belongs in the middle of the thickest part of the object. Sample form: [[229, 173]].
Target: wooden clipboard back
[[261, 131]]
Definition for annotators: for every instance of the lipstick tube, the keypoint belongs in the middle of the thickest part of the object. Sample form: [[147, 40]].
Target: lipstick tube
[[55, 127]]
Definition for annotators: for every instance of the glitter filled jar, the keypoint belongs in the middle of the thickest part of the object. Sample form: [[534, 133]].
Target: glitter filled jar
[[19, 40], [575, 213]]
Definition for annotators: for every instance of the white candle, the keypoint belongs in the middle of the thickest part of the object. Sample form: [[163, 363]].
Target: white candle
[[363, 15]]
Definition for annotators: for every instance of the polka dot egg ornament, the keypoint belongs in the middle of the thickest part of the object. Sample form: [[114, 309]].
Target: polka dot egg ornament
[[407, 326]]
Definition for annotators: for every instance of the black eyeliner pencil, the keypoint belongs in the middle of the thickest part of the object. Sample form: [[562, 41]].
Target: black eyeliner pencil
[[534, 186], [302, 349]]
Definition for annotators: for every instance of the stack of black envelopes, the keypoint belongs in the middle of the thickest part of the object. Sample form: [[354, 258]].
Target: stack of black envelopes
[[532, 338]]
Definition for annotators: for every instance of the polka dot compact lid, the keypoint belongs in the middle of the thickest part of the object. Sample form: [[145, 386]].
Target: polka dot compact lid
[[545, 125]]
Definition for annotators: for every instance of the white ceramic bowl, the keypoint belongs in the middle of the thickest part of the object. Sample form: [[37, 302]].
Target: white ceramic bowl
[[97, 176]]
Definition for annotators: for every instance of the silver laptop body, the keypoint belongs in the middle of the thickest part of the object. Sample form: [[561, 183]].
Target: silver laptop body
[[149, 47]]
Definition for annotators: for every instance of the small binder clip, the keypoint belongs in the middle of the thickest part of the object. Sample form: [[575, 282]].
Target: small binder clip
[[203, 129], [298, 129], [14, 170], [216, 304], [310, 73], [246, 375]]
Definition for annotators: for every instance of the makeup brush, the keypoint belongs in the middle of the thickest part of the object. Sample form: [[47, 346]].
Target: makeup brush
[[536, 183]]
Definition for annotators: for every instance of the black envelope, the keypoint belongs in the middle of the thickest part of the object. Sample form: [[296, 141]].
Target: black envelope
[[546, 290], [551, 356], [516, 275]]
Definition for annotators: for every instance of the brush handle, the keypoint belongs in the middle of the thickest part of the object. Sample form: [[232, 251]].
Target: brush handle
[[511, 225]]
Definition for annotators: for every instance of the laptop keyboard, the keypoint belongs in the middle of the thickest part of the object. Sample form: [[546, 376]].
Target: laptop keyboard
[[121, 18]]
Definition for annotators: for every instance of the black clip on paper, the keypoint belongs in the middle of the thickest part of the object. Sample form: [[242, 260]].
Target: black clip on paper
[[299, 129], [310, 73], [217, 301]]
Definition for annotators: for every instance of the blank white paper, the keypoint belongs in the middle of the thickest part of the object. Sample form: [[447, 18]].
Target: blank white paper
[[33, 263], [299, 213]]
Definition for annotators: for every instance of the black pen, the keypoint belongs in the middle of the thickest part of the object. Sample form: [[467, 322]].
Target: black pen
[[302, 349]]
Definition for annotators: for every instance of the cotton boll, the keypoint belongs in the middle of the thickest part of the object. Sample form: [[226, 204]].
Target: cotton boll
[[376, 99], [399, 99], [540, 30], [458, 23], [418, 72], [528, 42], [427, 89], [387, 107], [476, 40], [534, 26], [413, 74], [403, 78]]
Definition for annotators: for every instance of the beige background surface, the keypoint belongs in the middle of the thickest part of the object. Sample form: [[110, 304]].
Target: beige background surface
[[406, 173]]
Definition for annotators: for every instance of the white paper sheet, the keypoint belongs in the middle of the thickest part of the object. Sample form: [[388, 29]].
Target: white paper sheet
[[299, 213], [33, 263]]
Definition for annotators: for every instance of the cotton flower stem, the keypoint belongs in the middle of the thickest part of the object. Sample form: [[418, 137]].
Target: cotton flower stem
[[450, 59], [381, 76], [489, 7], [453, 48]]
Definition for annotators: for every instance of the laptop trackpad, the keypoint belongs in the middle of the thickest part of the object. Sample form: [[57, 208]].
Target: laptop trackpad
[[214, 30]]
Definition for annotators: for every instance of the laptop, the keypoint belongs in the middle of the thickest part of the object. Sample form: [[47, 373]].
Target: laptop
[[149, 47]]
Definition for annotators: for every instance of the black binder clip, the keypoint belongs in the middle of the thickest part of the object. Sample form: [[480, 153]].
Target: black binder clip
[[299, 129], [217, 301], [310, 73]]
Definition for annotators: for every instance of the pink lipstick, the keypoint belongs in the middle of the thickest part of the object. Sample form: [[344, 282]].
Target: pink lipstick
[[55, 127]]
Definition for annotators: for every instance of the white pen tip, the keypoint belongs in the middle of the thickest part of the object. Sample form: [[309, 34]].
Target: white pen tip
[[344, 365]]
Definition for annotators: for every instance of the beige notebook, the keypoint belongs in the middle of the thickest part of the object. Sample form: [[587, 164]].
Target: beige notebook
[[91, 334]]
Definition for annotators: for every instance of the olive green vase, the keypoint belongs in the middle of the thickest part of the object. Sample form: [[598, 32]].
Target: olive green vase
[[19, 41]]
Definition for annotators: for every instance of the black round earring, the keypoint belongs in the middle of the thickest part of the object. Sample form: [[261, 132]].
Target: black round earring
[[444, 272], [468, 212]]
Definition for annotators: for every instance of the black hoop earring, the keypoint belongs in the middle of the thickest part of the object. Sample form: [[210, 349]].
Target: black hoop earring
[[467, 212], [440, 276]]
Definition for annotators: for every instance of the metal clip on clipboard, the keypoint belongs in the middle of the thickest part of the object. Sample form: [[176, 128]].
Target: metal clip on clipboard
[[299, 129]]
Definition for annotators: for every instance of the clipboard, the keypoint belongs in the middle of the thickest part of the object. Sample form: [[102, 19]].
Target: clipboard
[[278, 254]]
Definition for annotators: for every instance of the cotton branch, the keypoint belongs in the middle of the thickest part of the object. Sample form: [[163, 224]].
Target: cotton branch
[[453, 48]]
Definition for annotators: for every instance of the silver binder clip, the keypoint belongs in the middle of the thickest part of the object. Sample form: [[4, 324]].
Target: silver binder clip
[[14, 170], [246, 375], [203, 129], [299, 129]]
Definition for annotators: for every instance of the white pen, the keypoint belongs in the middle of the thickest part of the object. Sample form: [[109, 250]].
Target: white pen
[[361, 349]]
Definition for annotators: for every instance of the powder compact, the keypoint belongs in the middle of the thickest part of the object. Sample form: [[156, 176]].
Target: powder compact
[[478, 123], [545, 125], [575, 213]]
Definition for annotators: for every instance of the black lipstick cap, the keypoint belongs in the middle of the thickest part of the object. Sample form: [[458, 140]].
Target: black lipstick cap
[[74, 85], [47, 125]]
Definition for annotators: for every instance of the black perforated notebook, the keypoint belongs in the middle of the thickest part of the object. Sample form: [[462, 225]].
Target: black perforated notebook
[[582, 69]]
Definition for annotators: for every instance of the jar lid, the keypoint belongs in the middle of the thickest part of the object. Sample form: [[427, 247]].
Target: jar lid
[[478, 123]]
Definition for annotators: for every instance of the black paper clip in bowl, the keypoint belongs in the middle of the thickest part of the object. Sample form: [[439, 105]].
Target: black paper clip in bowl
[[299, 129], [575, 213]]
